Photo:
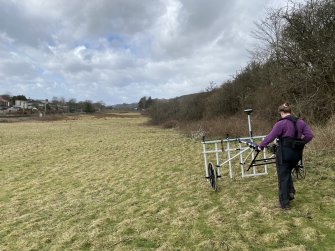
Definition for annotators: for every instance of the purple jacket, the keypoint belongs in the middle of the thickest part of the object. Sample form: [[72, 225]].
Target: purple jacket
[[285, 128]]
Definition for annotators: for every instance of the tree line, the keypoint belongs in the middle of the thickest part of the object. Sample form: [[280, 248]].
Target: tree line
[[58, 105], [295, 63]]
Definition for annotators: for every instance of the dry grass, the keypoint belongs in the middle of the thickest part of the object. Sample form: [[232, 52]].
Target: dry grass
[[220, 127], [113, 184], [324, 141]]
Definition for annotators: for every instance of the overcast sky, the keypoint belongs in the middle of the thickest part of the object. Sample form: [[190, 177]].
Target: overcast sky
[[118, 51]]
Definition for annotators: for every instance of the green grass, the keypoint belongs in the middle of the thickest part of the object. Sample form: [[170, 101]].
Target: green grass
[[114, 184]]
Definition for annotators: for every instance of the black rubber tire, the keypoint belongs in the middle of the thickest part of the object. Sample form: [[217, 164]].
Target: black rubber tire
[[212, 176], [299, 172]]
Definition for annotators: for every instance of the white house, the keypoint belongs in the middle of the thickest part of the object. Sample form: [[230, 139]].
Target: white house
[[21, 103]]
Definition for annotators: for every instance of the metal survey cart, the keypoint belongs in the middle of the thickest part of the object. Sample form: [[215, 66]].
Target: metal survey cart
[[242, 152]]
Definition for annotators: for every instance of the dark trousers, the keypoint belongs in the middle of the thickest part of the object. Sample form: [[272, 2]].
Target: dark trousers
[[285, 182]]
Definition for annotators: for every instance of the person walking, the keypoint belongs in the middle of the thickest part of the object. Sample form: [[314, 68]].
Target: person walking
[[292, 134]]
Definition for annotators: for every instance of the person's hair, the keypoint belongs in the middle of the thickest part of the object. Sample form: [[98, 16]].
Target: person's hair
[[285, 108]]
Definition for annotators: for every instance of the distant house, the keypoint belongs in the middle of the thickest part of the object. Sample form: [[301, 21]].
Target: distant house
[[21, 103], [4, 102]]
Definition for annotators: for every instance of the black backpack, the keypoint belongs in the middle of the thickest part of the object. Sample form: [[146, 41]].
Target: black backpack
[[292, 148]]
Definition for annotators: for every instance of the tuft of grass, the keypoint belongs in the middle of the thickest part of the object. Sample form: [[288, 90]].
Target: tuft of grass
[[111, 183]]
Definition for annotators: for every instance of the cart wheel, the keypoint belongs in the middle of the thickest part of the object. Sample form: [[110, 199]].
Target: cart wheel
[[212, 176], [299, 172]]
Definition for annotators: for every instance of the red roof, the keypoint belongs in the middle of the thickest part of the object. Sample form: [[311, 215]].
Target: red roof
[[3, 100]]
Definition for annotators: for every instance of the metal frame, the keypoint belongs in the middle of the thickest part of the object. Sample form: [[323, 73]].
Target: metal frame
[[250, 147], [241, 151]]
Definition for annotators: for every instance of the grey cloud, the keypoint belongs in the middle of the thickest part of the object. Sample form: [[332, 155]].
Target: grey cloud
[[75, 67], [120, 50], [92, 19], [21, 26], [13, 69], [198, 25]]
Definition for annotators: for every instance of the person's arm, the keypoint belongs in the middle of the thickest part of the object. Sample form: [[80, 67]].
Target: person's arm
[[275, 133], [307, 133]]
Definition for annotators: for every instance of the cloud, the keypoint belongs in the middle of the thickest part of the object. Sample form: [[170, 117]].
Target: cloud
[[23, 27], [120, 50]]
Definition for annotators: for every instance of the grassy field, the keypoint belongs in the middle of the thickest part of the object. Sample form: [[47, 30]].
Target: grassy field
[[112, 183]]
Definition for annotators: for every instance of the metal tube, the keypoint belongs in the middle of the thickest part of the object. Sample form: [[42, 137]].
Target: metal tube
[[241, 159], [217, 160], [249, 125], [232, 139], [230, 167], [249, 112], [205, 159]]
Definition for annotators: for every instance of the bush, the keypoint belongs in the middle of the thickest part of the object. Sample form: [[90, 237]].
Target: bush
[[221, 126], [170, 124], [324, 141]]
